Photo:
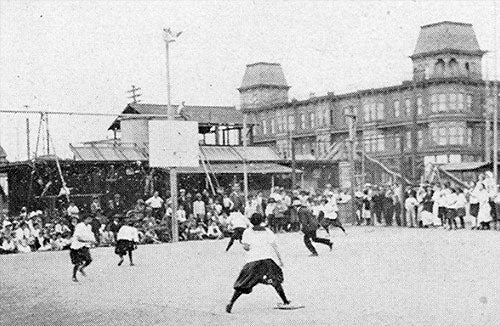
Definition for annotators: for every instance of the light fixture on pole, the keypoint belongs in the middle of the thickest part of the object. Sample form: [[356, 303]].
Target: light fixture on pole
[[169, 37]]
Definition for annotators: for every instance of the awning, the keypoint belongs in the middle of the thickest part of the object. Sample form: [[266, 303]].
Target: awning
[[465, 166], [237, 168], [133, 152]]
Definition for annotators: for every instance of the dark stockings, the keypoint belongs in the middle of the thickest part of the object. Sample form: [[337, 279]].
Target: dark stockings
[[237, 294]]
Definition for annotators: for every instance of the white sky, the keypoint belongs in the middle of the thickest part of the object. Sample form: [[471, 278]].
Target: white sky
[[84, 56]]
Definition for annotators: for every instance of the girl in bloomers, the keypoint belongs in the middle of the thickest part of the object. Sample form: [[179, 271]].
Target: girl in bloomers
[[261, 249], [128, 238]]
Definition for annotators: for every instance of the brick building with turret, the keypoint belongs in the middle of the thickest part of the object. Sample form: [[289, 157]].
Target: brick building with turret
[[440, 116]]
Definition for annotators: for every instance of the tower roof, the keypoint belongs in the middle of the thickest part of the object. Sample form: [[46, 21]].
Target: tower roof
[[447, 36], [263, 74]]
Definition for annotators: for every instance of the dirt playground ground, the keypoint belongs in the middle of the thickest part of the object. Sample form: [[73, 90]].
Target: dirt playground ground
[[374, 276]]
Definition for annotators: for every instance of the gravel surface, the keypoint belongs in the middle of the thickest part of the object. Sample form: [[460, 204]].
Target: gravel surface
[[374, 276]]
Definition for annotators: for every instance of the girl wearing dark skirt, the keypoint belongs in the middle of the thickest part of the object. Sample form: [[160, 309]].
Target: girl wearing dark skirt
[[79, 252], [127, 240], [260, 244]]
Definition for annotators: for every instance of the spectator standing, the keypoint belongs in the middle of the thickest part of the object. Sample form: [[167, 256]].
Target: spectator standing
[[199, 210], [461, 204], [410, 207], [156, 203], [484, 214]]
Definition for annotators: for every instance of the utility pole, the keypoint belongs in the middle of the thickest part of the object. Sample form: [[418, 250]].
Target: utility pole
[[134, 95], [414, 142], [28, 149], [245, 172], [403, 180], [294, 163], [170, 37], [47, 132], [351, 115], [495, 99], [487, 116]]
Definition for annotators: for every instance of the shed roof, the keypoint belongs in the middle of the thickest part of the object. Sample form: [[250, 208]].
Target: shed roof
[[202, 114]]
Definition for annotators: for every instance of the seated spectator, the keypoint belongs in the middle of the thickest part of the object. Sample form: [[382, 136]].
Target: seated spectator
[[214, 232], [20, 238], [73, 210], [197, 231], [95, 206], [7, 245]]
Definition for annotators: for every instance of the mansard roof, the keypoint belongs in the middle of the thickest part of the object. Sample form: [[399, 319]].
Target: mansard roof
[[447, 36], [263, 74]]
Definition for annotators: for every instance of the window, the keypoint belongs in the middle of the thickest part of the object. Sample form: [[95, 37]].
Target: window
[[396, 108], [367, 145], [453, 101], [442, 136], [273, 130], [450, 133], [397, 142], [380, 111], [264, 127], [408, 139], [291, 122], [442, 102], [373, 112], [453, 132], [303, 121], [469, 136], [419, 105], [311, 117], [366, 109], [468, 102], [380, 143], [434, 102], [420, 138], [460, 101], [408, 107], [439, 68], [435, 134], [454, 158]]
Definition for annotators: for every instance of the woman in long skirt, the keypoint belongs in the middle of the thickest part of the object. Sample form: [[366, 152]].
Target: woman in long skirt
[[127, 240], [484, 215], [260, 244]]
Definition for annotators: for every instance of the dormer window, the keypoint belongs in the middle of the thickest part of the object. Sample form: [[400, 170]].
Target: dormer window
[[439, 68]]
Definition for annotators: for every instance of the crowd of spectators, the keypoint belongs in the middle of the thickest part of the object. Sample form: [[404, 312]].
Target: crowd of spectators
[[439, 204], [208, 216]]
